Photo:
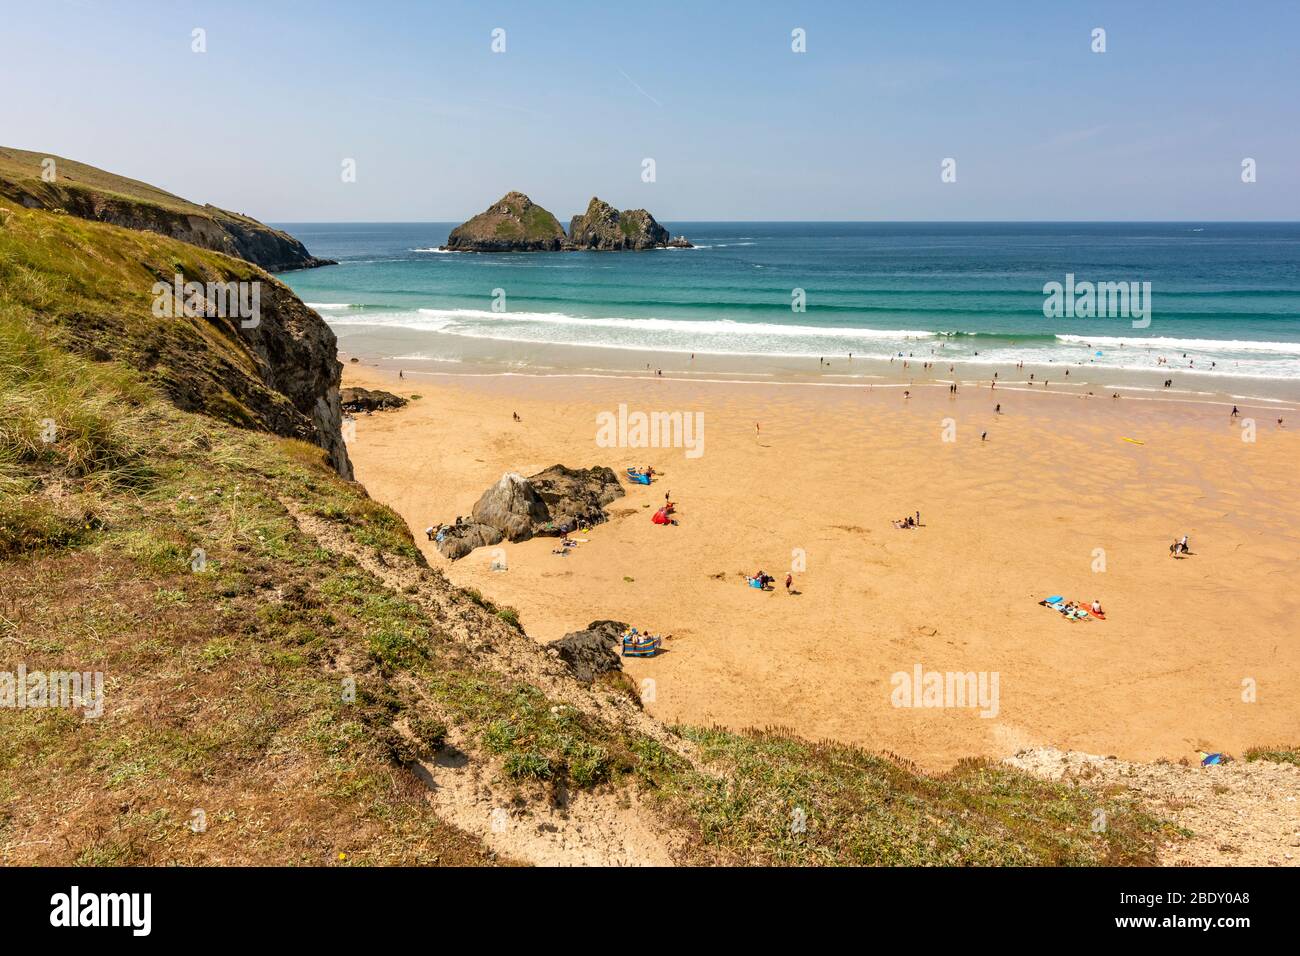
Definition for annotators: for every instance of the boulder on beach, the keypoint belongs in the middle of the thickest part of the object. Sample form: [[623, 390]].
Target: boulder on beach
[[592, 651], [460, 539], [368, 400], [547, 503]]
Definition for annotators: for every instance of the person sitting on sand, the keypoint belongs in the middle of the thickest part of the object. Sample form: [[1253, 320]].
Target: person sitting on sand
[[1184, 546], [1096, 607]]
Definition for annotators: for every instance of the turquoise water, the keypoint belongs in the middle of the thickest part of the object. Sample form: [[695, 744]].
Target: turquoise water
[[1225, 297]]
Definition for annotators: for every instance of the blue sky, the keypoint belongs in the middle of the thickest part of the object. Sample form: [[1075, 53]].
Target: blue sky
[[739, 126]]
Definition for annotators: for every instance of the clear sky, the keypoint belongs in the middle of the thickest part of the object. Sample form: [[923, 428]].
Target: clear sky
[[739, 126]]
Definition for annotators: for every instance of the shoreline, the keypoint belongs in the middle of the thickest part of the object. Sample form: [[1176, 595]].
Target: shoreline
[[432, 353]]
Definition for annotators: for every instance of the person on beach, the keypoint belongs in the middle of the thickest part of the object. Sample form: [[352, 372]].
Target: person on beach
[[516, 417], [789, 581], [1183, 545], [428, 532], [1096, 607], [998, 409], [399, 374], [1235, 413], [984, 436]]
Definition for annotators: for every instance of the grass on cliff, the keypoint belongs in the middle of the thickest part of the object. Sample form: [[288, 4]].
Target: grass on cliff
[[266, 699], [25, 166]]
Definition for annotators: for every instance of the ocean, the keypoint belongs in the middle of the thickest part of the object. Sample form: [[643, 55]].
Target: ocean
[[1222, 300]]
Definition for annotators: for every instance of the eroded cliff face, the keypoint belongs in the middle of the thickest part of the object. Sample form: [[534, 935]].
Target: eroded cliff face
[[274, 368]]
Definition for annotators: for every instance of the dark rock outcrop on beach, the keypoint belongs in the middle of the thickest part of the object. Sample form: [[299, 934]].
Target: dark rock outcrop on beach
[[459, 540], [547, 503], [592, 651], [368, 400], [602, 228], [514, 223], [91, 193], [573, 494]]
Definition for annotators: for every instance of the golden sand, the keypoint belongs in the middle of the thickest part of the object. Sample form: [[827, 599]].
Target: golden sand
[[1038, 509]]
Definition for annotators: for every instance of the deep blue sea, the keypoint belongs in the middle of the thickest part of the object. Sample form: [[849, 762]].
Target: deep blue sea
[[1224, 297]]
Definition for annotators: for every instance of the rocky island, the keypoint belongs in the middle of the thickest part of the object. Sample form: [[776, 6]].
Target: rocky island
[[516, 224]]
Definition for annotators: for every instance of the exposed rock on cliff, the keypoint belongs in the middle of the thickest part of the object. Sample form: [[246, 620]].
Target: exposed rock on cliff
[[518, 508], [91, 193], [514, 223], [604, 228]]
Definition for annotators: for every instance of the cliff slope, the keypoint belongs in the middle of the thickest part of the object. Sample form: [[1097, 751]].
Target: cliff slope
[[93, 287], [92, 193]]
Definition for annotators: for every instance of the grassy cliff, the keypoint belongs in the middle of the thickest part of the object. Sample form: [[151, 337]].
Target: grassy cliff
[[287, 681], [43, 181]]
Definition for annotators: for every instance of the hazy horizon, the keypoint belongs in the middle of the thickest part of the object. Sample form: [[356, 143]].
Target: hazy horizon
[[741, 127]]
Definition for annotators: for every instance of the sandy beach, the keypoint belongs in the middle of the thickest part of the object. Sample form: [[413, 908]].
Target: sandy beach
[[1196, 653]]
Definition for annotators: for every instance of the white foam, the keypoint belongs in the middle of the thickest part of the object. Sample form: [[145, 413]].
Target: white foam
[[1218, 346]]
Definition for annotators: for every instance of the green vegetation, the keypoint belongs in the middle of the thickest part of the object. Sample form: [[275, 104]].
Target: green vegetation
[[1275, 754], [285, 686], [531, 223], [20, 165]]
